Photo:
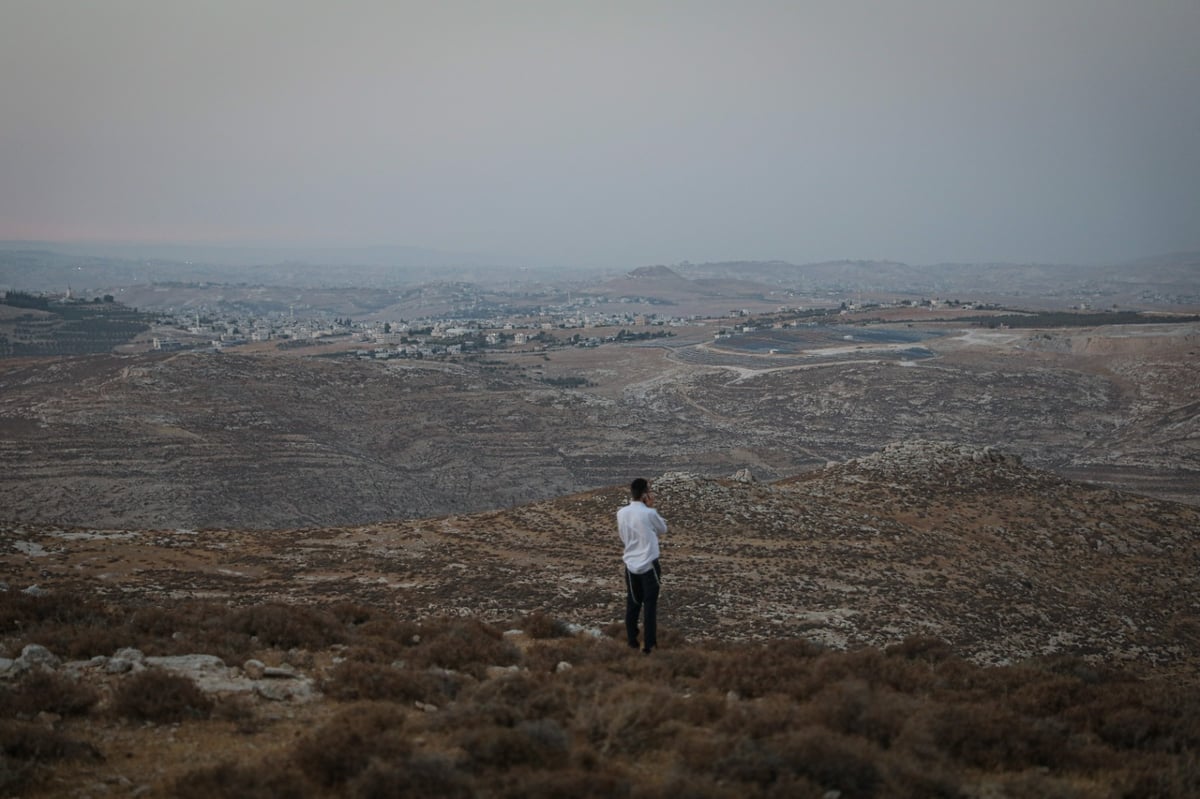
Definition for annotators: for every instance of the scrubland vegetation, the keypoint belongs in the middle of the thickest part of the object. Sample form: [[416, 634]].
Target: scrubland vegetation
[[453, 707]]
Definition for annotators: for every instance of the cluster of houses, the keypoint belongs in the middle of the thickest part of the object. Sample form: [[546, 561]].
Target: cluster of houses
[[423, 338], [431, 338]]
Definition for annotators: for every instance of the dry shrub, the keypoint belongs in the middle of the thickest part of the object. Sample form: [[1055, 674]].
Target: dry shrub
[[749, 761], [696, 750], [186, 627], [24, 745], [465, 645], [158, 621], [518, 697], [1177, 707], [34, 742], [374, 634], [235, 633], [1161, 777], [160, 696], [701, 785], [855, 707], [545, 656], [46, 691], [13, 775], [406, 633], [1134, 728], [352, 614], [68, 625], [565, 785], [980, 684], [1083, 670], [374, 650], [919, 777], [1047, 694], [577, 650], [342, 748], [835, 762], [1145, 716], [540, 626], [684, 665], [753, 670], [670, 638], [987, 736], [537, 744], [239, 710], [287, 626], [355, 681], [80, 642], [1037, 783], [21, 611], [903, 674], [921, 647], [760, 718], [233, 781], [635, 717], [381, 641], [417, 777], [172, 629]]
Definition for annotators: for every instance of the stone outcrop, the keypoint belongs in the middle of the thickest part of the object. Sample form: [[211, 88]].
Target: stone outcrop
[[208, 672]]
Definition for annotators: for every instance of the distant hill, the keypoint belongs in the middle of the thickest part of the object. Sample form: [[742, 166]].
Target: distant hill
[[665, 284], [47, 266], [1168, 281], [32, 325]]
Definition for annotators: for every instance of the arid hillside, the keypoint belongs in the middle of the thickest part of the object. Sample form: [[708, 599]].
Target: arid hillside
[[965, 544], [272, 439], [931, 619]]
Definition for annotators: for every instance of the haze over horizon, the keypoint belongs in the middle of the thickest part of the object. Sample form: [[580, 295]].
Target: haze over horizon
[[609, 135]]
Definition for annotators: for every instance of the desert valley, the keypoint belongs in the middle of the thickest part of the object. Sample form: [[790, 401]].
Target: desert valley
[[916, 548]]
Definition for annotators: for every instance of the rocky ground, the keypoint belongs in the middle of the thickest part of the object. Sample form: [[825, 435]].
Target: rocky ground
[[920, 540], [1002, 560], [283, 441]]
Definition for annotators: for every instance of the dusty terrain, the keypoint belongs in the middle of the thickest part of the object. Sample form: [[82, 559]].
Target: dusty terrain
[[282, 440], [967, 544], [921, 540]]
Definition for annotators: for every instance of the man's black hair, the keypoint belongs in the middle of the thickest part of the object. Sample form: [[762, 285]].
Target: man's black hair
[[638, 487]]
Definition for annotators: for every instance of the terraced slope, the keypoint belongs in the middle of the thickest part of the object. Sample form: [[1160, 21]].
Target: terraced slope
[[280, 440], [963, 543]]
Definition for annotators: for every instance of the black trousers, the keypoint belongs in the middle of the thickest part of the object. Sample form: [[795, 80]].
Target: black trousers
[[641, 598]]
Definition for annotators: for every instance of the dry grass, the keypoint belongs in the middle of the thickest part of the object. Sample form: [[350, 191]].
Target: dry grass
[[161, 697], [772, 719], [46, 692]]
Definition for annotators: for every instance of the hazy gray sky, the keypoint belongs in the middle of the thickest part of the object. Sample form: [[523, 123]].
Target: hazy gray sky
[[609, 133]]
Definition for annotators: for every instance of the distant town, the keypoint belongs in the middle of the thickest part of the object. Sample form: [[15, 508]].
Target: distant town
[[56, 324]]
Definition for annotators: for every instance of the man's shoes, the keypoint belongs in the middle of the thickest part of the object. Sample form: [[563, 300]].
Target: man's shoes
[[647, 651]]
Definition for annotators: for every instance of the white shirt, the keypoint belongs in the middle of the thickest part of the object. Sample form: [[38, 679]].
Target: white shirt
[[639, 526]]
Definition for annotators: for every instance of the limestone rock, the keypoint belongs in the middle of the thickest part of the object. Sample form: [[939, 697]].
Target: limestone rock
[[37, 656], [280, 672], [286, 691]]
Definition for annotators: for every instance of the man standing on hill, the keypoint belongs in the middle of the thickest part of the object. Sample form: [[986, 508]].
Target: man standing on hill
[[640, 526]]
